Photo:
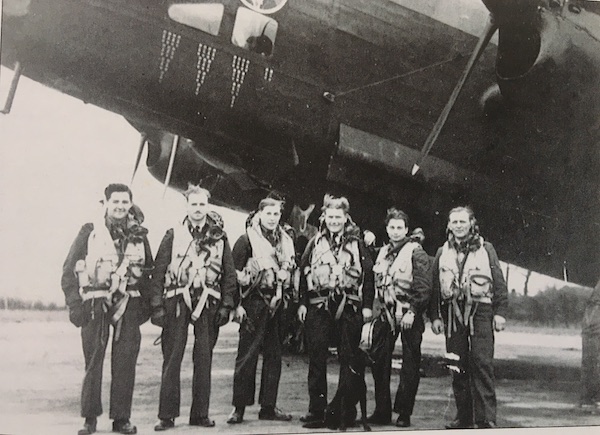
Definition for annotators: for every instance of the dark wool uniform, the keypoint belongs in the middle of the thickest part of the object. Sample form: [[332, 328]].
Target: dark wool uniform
[[178, 317], [322, 329], [417, 299], [470, 335], [590, 357], [258, 333], [96, 315]]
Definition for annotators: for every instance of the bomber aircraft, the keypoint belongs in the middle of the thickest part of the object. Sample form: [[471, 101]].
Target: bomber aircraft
[[424, 104]]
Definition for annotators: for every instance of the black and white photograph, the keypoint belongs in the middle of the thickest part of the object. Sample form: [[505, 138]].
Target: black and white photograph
[[299, 216]]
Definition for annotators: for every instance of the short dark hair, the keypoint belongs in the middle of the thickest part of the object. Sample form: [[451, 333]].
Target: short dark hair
[[395, 213], [117, 187]]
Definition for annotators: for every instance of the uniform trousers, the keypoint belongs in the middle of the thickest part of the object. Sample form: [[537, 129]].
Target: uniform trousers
[[321, 330], [473, 387], [258, 333], [125, 350], [173, 340], [590, 355], [409, 373]]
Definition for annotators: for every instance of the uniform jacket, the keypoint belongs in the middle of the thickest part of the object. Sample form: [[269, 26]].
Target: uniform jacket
[[419, 294], [78, 251], [368, 287], [163, 260], [499, 292]]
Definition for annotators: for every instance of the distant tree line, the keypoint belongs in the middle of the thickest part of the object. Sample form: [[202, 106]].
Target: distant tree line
[[551, 307], [20, 304]]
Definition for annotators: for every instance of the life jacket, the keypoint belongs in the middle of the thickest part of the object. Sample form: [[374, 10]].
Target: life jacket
[[339, 270], [102, 269], [394, 277], [476, 280], [193, 264], [272, 265]]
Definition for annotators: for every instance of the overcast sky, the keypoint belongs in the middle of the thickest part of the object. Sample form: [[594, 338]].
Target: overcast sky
[[57, 155]]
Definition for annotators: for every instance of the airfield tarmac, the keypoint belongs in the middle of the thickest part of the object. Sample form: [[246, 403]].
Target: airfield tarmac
[[41, 370]]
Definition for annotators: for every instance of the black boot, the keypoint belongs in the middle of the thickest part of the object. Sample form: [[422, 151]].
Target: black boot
[[237, 415], [124, 427], [164, 424], [89, 426]]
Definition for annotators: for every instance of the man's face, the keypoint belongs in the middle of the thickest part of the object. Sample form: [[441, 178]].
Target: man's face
[[197, 206], [460, 224], [396, 229], [269, 217], [118, 205], [335, 220]]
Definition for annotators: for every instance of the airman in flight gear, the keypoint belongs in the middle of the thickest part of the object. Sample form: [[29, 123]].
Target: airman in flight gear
[[469, 302], [590, 353], [265, 260], [194, 281], [105, 281], [336, 292], [401, 284]]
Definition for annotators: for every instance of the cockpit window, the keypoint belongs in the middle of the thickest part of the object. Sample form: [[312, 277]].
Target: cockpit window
[[254, 32], [202, 16]]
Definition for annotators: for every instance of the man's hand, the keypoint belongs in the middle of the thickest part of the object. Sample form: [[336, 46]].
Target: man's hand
[[407, 320], [158, 316], [499, 323], [222, 316], [437, 326], [76, 313], [367, 314], [302, 313], [239, 315], [369, 238]]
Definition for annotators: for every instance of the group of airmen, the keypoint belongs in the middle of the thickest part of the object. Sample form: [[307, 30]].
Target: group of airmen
[[111, 278]]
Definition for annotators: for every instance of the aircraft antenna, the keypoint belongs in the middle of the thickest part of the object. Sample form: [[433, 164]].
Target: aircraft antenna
[[171, 162], [143, 140], [482, 43], [13, 89]]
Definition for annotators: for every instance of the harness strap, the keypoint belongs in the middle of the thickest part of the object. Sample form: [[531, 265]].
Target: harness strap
[[318, 300], [203, 300], [389, 318], [173, 292], [254, 285], [341, 307], [98, 294]]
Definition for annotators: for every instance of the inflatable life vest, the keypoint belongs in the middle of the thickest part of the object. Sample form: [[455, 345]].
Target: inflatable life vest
[[193, 264], [339, 270], [274, 265], [101, 266], [394, 276], [476, 279]]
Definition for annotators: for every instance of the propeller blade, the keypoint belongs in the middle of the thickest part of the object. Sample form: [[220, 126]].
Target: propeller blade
[[171, 162], [143, 140], [482, 43]]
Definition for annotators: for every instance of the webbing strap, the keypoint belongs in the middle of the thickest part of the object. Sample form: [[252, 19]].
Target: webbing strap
[[203, 300]]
